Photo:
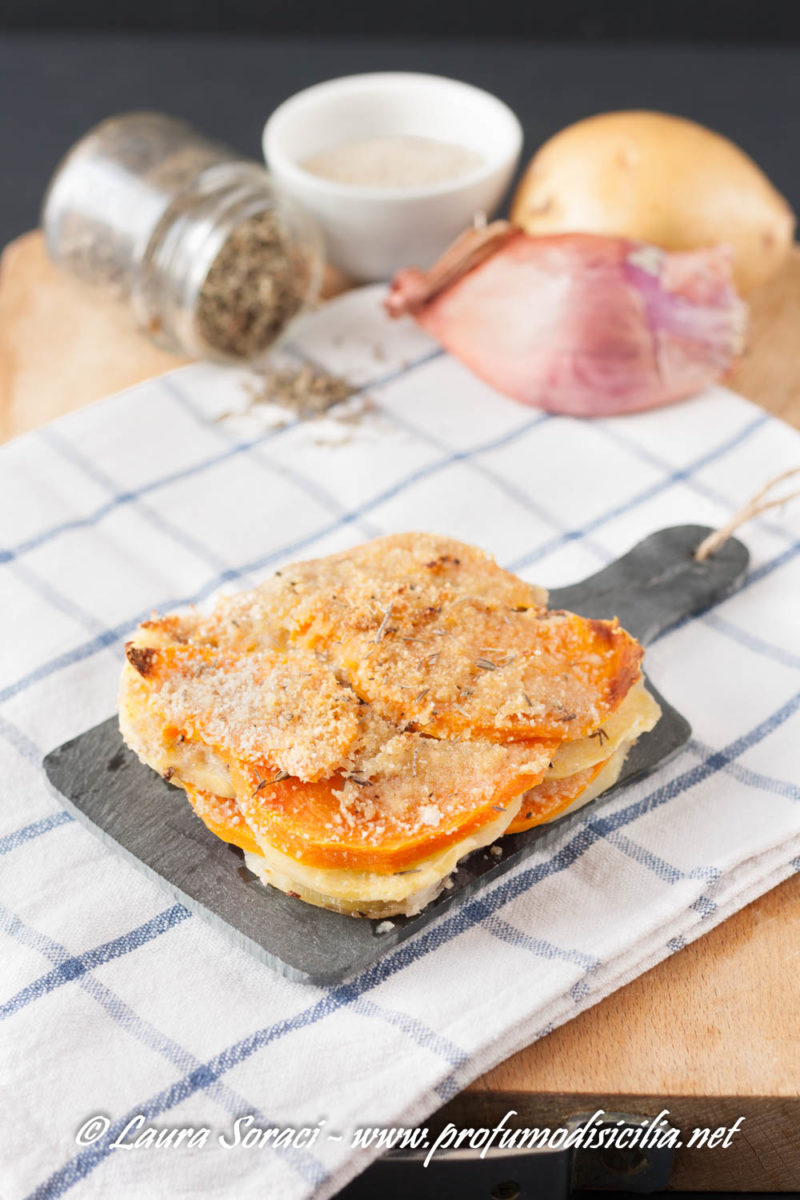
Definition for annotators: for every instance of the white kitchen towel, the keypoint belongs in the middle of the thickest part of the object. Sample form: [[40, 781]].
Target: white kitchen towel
[[115, 1001]]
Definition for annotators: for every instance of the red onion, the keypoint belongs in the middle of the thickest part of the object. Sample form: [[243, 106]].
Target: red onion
[[579, 323]]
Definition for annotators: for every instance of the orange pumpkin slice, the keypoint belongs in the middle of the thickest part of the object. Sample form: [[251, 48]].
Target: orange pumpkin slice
[[552, 797], [222, 817], [421, 796], [497, 674], [352, 590]]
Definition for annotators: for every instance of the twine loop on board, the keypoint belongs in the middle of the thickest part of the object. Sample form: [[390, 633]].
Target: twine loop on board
[[753, 508]]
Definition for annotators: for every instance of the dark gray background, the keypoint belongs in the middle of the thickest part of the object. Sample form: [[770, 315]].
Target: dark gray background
[[690, 20], [54, 84]]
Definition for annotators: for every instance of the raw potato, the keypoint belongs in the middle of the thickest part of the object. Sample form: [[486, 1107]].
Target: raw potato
[[658, 179]]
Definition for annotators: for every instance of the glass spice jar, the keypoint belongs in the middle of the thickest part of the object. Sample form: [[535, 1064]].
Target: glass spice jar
[[212, 260]]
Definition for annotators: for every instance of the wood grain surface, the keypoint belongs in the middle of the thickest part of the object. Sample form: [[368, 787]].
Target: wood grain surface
[[711, 1033], [61, 347]]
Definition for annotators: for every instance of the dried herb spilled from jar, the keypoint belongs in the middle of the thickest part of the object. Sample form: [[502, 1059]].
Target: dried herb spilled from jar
[[256, 284], [305, 391]]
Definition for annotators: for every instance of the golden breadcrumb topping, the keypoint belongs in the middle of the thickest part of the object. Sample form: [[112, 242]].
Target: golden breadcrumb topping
[[390, 691]]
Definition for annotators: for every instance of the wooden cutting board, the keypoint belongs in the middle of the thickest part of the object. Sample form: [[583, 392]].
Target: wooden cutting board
[[61, 348], [712, 1033]]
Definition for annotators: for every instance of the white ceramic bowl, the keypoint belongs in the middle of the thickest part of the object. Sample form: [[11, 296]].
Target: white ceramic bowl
[[371, 232]]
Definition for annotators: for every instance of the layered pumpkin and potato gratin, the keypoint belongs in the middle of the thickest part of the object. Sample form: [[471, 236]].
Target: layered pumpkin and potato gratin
[[359, 723]]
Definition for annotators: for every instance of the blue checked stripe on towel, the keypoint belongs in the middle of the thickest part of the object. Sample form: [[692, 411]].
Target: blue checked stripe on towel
[[116, 1001]]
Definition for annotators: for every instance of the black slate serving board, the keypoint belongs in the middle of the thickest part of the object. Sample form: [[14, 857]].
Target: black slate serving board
[[651, 588]]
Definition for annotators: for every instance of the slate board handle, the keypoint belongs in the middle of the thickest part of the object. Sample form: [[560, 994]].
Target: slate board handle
[[658, 582]]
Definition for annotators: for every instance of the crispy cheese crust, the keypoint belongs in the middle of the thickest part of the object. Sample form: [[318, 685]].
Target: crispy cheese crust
[[375, 715]]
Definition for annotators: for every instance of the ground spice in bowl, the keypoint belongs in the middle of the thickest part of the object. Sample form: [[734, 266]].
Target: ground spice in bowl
[[393, 161]]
